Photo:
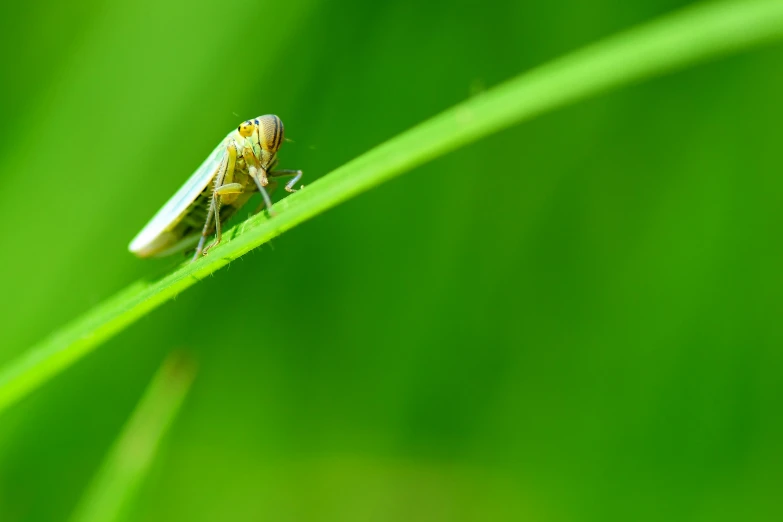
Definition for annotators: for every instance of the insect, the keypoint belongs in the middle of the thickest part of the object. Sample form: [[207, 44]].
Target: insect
[[242, 164]]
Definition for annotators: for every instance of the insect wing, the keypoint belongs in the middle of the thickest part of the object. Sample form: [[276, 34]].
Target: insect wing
[[145, 243]]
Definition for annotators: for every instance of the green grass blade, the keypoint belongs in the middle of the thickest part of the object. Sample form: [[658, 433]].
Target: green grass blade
[[682, 39], [112, 489]]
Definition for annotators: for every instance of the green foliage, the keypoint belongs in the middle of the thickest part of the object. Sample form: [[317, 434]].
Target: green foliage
[[582, 309]]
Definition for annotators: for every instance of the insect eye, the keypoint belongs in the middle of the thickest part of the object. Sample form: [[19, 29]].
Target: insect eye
[[246, 129]]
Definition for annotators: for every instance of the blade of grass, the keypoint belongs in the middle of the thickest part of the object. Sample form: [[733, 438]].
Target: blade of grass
[[693, 35], [112, 490]]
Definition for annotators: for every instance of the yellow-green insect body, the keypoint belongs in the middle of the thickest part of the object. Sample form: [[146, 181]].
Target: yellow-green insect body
[[242, 164]]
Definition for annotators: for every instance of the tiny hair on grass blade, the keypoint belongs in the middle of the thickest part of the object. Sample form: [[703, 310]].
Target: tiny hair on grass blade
[[242, 164]]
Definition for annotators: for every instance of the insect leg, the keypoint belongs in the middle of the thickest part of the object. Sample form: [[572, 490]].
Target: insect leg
[[270, 189], [226, 169], [218, 230], [229, 188], [258, 173], [228, 193], [232, 162], [226, 174], [205, 230], [264, 195], [297, 175]]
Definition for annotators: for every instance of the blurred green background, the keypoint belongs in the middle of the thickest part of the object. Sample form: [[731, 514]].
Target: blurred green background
[[576, 319]]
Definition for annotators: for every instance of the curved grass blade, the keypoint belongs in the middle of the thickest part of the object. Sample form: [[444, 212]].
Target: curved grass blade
[[676, 41], [112, 490]]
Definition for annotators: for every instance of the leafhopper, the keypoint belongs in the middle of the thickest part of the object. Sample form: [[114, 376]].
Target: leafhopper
[[242, 164]]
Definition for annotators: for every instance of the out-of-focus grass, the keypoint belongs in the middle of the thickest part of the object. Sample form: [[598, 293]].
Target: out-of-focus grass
[[110, 495], [678, 40]]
